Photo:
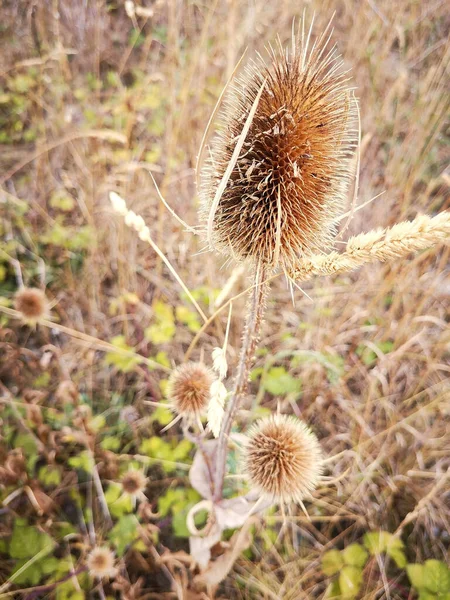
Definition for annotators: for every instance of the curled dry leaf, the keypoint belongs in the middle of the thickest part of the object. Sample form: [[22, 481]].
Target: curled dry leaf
[[226, 514], [219, 569]]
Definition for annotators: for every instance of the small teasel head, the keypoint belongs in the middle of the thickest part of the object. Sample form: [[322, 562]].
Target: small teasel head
[[134, 483], [289, 181], [100, 563], [283, 459], [189, 390], [31, 303]]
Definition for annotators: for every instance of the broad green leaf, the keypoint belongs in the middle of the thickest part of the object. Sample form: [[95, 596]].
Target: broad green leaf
[[82, 462], [181, 450], [436, 576], [120, 361], [350, 579], [49, 476], [416, 574], [278, 382], [27, 541], [377, 542], [124, 533], [398, 556], [163, 415], [333, 590], [332, 562], [355, 555]]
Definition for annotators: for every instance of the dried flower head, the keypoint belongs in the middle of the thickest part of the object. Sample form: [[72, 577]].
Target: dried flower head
[[283, 458], [189, 389], [134, 483], [100, 563], [31, 303], [288, 183]]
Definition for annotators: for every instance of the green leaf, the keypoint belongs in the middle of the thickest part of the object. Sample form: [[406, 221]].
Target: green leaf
[[426, 595], [377, 542], [82, 462], [278, 382], [27, 541], [163, 415], [350, 579], [398, 556], [416, 574], [355, 555], [333, 590], [124, 533], [120, 361], [49, 476], [181, 450], [332, 562], [436, 576]]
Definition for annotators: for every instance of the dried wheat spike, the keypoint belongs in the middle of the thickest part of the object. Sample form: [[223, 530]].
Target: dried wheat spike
[[288, 184]]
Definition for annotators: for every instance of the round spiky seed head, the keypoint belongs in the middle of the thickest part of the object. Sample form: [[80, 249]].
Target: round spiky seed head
[[134, 483], [100, 563], [289, 181], [31, 303], [189, 389], [283, 459]]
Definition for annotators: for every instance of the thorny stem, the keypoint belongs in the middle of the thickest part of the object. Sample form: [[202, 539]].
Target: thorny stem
[[248, 347]]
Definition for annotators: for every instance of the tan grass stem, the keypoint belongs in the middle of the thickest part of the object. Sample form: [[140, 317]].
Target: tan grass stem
[[248, 347], [381, 245]]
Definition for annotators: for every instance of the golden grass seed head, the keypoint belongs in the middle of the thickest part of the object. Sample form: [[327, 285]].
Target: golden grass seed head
[[189, 389], [283, 458], [31, 303], [289, 182], [100, 563]]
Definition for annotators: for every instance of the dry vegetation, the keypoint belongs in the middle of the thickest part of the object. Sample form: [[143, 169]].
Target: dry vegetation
[[93, 99]]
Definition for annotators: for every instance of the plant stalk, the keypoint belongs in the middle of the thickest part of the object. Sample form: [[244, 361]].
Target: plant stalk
[[248, 347]]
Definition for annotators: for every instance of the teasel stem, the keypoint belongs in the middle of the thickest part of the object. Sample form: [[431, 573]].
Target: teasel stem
[[248, 347]]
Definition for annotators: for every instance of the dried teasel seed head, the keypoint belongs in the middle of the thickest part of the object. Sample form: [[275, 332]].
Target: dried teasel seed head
[[283, 458], [289, 181], [31, 303], [100, 563], [189, 389], [134, 483]]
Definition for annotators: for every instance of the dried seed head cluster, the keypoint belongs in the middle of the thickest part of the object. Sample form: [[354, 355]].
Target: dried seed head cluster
[[31, 303], [283, 458], [189, 389], [134, 483], [288, 184], [100, 563]]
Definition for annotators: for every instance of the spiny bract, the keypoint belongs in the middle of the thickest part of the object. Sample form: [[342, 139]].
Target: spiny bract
[[283, 458], [288, 184]]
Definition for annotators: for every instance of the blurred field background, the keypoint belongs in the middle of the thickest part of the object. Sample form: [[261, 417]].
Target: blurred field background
[[95, 95]]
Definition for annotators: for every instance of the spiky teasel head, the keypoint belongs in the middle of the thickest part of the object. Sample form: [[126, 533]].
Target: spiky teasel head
[[100, 563], [31, 303], [134, 483], [288, 183], [189, 390], [283, 459]]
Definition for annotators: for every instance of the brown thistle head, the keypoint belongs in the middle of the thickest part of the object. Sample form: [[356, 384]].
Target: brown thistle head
[[31, 303], [283, 458], [189, 389], [289, 181], [134, 483], [100, 563]]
